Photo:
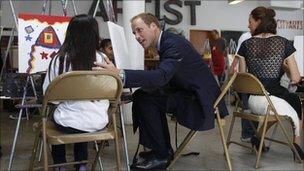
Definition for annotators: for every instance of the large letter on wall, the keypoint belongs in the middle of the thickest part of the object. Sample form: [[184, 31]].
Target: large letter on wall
[[192, 5], [178, 15]]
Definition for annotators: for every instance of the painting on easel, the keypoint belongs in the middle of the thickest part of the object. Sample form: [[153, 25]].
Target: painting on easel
[[39, 38]]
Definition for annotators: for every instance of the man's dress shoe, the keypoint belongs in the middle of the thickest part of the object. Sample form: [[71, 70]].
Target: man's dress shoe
[[151, 153], [151, 163], [146, 154]]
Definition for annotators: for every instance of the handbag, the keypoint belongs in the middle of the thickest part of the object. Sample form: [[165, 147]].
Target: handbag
[[13, 85]]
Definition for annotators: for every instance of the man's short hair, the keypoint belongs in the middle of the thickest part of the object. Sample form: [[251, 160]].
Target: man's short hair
[[147, 18]]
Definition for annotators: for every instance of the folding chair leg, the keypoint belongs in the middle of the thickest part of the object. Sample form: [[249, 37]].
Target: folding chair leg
[[97, 149], [27, 114], [117, 153], [116, 143], [40, 151], [261, 142], [223, 140], [289, 142], [45, 146], [185, 142], [34, 149], [230, 131], [96, 157]]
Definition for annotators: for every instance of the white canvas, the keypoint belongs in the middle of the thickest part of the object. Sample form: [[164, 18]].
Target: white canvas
[[119, 44]]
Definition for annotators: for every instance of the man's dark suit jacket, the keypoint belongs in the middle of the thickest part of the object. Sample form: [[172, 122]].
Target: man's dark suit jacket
[[182, 68]]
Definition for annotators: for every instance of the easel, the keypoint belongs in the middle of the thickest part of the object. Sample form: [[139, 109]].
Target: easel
[[29, 76], [111, 16]]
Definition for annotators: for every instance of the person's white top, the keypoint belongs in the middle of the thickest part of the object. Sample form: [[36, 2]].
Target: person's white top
[[87, 116], [103, 55], [243, 37]]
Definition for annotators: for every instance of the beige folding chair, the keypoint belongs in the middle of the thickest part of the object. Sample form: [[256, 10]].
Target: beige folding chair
[[249, 84], [219, 122], [79, 85]]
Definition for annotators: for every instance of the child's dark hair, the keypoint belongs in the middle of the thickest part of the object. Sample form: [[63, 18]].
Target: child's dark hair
[[104, 43], [81, 42]]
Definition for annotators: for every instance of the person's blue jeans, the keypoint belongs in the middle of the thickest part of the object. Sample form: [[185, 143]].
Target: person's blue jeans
[[247, 130]]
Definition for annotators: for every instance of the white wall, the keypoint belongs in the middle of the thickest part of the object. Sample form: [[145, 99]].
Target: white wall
[[222, 16], [209, 15]]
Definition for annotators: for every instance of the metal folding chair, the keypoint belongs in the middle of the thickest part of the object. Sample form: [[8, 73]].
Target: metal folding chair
[[249, 84], [219, 122], [79, 85]]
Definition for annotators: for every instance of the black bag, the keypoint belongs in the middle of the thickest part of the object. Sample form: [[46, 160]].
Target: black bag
[[13, 84]]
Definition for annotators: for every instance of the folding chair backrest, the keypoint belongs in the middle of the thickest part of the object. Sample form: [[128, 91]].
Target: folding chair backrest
[[84, 85], [225, 87], [248, 83]]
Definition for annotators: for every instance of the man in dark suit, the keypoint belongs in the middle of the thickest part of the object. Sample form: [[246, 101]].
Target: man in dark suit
[[182, 85]]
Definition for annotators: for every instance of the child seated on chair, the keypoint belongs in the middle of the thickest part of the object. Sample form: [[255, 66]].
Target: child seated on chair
[[78, 52], [107, 49]]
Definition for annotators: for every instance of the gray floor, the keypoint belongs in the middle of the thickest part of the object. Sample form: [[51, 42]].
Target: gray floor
[[207, 143]]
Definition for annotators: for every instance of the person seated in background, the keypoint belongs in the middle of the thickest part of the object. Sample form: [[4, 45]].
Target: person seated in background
[[218, 54], [182, 85], [106, 49], [77, 116], [258, 55]]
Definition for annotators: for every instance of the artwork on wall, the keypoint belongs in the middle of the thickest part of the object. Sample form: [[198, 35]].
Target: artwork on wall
[[39, 37]]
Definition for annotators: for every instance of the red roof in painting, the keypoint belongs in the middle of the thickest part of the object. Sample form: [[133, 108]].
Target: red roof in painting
[[44, 18], [48, 38]]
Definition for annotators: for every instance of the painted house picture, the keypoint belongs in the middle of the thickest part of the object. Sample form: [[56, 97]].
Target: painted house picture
[[39, 38]]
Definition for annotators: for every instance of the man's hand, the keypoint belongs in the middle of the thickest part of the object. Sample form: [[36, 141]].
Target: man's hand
[[106, 65]]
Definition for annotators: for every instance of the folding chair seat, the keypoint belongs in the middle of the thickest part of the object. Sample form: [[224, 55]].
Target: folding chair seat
[[79, 85], [248, 84], [220, 122], [29, 104]]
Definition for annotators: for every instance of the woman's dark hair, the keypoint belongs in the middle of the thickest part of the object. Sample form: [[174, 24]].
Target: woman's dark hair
[[81, 42], [266, 16]]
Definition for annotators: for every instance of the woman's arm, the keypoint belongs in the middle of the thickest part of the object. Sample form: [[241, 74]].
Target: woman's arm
[[291, 68], [233, 67], [242, 64]]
